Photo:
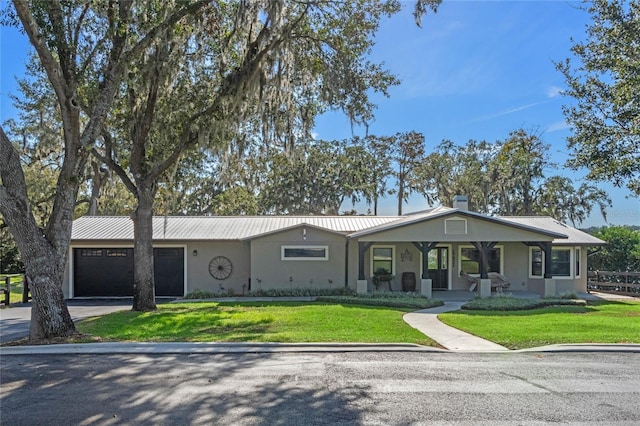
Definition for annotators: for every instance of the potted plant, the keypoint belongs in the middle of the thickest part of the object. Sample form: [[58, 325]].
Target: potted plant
[[382, 275]]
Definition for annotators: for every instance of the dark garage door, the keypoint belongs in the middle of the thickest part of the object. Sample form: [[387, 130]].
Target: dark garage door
[[103, 272], [168, 271], [108, 272]]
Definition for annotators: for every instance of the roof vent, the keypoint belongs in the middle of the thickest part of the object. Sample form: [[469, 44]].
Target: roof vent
[[461, 202]]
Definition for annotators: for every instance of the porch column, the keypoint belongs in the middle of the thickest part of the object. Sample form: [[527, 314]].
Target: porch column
[[425, 248], [426, 284], [484, 248], [361, 284]]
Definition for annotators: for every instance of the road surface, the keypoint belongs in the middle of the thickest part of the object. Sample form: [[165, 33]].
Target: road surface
[[321, 388]]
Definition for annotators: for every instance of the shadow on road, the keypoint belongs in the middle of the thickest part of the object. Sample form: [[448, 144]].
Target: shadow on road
[[168, 389]]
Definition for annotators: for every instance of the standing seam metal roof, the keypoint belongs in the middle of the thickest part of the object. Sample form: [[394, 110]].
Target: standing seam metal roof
[[215, 227], [236, 228]]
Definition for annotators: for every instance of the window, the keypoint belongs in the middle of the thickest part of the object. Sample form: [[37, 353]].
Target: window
[[91, 252], [577, 270], [382, 258], [116, 253], [305, 253], [536, 269], [470, 260], [170, 252], [561, 262]]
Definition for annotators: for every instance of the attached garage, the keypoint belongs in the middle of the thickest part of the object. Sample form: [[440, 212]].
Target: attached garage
[[108, 272]]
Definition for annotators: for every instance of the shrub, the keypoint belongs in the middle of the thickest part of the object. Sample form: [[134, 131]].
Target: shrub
[[513, 304], [302, 292], [389, 299]]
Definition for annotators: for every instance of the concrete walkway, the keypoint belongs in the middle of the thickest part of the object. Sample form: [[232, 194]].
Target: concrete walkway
[[426, 321]]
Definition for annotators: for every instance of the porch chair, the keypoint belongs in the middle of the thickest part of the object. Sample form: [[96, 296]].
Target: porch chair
[[498, 281], [474, 281]]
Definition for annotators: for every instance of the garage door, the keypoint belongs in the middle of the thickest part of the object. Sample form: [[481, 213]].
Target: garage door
[[168, 271], [108, 272], [103, 272]]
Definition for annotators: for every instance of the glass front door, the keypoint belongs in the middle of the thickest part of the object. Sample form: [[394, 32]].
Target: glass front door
[[438, 264]]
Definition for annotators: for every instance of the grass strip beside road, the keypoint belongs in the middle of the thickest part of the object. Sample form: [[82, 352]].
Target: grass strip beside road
[[285, 322], [597, 322], [16, 287]]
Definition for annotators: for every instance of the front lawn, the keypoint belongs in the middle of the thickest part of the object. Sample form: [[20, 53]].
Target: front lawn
[[257, 322], [597, 322], [16, 288]]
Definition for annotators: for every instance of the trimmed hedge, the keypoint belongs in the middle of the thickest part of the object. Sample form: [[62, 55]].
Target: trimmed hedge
[[392, 301], [295, 292], [513, 304]]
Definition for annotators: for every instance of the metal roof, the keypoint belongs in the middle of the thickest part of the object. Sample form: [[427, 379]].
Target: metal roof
[[448, 211], [236, 228], [574, 236], [215, 227]]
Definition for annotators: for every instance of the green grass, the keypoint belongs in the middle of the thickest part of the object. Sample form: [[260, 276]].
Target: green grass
[[257, 322], [16, 288], [597, 322]]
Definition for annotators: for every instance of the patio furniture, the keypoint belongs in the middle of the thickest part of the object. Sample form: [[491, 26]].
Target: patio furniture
[[498, 281]]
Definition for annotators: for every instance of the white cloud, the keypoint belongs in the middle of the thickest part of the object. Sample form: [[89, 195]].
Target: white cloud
[[507, 112], [557, 126], [553, 91]]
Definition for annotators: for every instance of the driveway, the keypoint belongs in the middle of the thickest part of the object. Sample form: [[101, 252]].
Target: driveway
[[14, 321]]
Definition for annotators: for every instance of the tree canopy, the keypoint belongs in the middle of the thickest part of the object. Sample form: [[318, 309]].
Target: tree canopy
[[604, 81]]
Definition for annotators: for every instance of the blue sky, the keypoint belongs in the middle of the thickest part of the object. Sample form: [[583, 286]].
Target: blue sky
[[476, 70]]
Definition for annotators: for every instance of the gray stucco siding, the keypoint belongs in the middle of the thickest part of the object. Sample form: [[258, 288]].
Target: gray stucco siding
[[198, 276], [476, 230], [270, 271]]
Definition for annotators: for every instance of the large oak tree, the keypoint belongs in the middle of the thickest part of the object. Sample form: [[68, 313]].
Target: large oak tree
[[604, 80]]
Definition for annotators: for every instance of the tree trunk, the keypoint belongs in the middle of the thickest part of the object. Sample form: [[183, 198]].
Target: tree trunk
[[143, 285], [44, 252]]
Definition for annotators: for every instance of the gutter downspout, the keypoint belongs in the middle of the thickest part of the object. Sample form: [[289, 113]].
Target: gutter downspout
[[346, 264]]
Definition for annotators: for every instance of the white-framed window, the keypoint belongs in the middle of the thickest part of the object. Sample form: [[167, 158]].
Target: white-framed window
[[536, 262], [565, 262], [561, 262], [469, 260], [383, 257], [304, 252]]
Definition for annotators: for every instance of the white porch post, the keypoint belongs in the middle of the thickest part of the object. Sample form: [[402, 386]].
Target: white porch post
[[425, 287], [549, 287], [485, 288], [361, 287]]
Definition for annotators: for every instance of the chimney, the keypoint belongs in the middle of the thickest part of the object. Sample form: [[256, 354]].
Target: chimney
[[461, 202]]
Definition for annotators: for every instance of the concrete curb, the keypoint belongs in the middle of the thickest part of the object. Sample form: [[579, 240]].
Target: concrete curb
[[208, 348]]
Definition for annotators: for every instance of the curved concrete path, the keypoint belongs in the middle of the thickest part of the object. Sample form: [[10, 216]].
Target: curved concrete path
[[426, 321]]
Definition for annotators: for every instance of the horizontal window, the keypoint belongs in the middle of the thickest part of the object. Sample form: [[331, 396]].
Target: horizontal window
[[116, 253], [172, 252], [91, 252], [305, 253]]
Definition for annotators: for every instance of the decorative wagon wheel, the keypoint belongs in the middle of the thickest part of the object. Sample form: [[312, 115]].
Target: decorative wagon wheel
[[220, 267]]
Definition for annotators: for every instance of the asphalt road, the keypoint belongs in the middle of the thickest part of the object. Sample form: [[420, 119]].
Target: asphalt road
[[317, 389]]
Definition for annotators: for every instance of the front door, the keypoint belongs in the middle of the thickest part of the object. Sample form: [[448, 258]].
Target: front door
[[439, 268]]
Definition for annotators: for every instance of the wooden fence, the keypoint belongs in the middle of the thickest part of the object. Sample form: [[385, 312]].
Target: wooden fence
[[627, 283]]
